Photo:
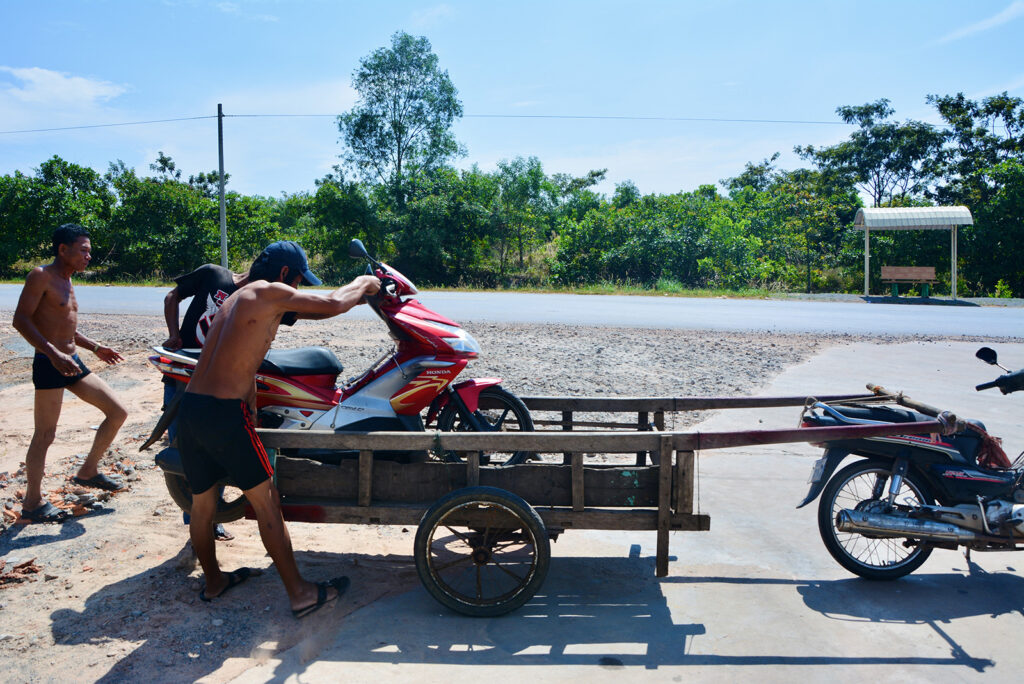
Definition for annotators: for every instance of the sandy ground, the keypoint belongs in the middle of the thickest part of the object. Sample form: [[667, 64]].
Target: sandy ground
[[111, 595]]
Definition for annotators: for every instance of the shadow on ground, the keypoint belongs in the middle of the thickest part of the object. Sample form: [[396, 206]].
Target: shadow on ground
[[611, 613], [614, 614], [923, 301]]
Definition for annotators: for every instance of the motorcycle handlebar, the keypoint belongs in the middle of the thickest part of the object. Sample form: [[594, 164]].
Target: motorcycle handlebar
[[1011, 382]]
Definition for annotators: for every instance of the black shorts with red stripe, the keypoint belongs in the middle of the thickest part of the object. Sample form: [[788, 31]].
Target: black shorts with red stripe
[[217, 439]]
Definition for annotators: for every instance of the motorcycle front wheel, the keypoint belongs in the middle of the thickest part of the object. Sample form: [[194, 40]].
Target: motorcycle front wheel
[[498, 411], [865, 485]]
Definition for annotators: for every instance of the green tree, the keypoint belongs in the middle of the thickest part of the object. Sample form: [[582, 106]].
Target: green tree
[[31, 207], [403, 117], [341, 211], [521, 210], [981, 166], [161, 226], [886, 159]]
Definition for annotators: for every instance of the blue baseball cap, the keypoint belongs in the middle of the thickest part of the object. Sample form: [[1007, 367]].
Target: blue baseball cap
[[288, 253]]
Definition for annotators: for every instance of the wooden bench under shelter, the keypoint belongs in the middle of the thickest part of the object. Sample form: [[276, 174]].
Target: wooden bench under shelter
[[909, 274]]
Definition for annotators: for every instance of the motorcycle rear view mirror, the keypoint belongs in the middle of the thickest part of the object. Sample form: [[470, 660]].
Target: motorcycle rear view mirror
[[989, 356], [356, 250]]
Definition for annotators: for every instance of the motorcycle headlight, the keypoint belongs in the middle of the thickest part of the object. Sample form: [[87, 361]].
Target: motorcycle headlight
[[457, 338]]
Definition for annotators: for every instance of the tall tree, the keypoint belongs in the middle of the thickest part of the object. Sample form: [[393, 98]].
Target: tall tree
[[887, 160], [403, 117], [983, 168]]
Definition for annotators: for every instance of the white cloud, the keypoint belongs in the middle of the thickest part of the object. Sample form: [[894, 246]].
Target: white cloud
[[1015, 10], [42, 87]]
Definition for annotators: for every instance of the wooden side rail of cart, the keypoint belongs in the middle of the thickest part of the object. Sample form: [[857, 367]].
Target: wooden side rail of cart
[[535, 499]]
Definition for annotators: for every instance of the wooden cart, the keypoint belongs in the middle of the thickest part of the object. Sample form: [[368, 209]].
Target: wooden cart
[[483, 538]]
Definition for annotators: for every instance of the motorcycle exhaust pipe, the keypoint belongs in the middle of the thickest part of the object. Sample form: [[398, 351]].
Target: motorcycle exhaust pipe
[[881, 525]]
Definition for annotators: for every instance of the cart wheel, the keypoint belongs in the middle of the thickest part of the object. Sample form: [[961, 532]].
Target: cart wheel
[[482, 551]]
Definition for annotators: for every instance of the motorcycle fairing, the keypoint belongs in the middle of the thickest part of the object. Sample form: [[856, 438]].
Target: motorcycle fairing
[[469, 391], [959, 483]]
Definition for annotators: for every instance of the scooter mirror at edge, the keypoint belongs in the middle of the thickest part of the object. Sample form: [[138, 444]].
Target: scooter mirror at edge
[[356, 250], [989, 356]]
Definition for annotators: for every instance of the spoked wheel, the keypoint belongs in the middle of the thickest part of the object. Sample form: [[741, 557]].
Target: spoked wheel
[[498, 411], [864, 485], [230, 507], [482, 551]]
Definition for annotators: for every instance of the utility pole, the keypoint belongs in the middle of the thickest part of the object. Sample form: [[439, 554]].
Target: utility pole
[[223, 205]]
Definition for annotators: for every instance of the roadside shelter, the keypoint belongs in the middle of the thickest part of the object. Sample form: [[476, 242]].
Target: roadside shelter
[[912, 218]]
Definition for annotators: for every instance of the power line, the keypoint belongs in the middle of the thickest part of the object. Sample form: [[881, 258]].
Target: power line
[[108, 125], [650, 118], [467, 116]]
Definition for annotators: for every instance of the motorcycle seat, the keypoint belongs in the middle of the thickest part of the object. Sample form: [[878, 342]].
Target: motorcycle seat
[[302, 361], [966, 441], [887, 414]]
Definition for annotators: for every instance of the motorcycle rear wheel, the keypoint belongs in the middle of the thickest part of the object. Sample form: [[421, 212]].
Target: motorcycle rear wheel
[[500, 411], [228, 510], [858, 484]]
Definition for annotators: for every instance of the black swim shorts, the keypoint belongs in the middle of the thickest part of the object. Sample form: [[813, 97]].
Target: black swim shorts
[[45, 376], [217, 438]]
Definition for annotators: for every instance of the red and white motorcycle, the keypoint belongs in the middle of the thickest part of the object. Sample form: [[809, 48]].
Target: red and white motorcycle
[[408, 388]]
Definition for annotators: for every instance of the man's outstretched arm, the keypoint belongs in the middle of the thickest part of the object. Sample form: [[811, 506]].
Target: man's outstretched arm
[[319, 305]]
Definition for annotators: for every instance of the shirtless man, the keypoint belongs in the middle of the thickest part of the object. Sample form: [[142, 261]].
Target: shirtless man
[[47, 316], [216, 435]]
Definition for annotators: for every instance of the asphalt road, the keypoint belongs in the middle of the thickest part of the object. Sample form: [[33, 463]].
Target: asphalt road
[[851, 315]]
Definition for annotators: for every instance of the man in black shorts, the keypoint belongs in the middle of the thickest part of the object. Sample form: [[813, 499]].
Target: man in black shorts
[[216, 435], [47, 317]]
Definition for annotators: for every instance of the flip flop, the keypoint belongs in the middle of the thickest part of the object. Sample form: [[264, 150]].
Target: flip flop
[[235, 577], [339, 583], [46, 513], [100, 481], [221, 534]]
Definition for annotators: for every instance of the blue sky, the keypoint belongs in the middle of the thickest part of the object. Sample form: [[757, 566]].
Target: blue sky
[[65, 63]]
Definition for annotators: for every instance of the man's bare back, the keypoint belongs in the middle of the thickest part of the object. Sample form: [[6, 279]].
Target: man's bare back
[[246, 324]]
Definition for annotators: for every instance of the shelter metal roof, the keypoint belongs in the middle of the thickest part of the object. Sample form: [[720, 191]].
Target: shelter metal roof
[[913, 218]]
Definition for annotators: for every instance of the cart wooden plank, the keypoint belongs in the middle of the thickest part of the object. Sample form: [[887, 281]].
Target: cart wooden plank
[[552, 484], [331, 510]]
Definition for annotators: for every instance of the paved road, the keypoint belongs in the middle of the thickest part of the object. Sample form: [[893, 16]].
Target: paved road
[[853, 316]]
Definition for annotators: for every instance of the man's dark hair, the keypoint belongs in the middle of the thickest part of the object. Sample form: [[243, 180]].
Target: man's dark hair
[[68, 234], [263, 268]]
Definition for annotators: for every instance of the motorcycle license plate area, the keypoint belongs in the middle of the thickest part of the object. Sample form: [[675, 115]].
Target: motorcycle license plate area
[[817, 470]]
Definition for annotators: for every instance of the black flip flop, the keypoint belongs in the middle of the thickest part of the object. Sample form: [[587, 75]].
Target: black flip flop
[[46, 513], [235, 577], [100, 481], [339, 583]]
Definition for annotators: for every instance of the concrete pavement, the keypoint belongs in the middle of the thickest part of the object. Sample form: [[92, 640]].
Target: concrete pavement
[[758, 597]]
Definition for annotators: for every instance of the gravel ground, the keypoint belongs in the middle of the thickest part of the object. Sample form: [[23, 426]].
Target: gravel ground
[[111, 594]]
